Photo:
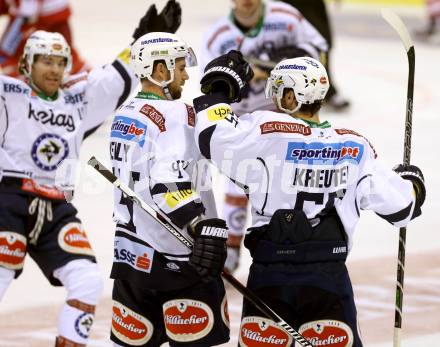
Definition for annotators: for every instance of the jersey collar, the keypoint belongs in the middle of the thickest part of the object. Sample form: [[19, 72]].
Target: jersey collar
[[251, 32], [323, 125], [43, 96], [149, 95]]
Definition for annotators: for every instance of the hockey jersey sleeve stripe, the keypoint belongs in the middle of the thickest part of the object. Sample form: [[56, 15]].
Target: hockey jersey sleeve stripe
[[290, 13], [161, 188], [398, 216], [186, 213], [361, 179], [217, 33], [205, 141], [6, 121], [127, 82], [91, 131]]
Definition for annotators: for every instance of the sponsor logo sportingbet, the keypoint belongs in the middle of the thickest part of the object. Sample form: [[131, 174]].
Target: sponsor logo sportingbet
[[327, 153], [129, 129], [125, 129]]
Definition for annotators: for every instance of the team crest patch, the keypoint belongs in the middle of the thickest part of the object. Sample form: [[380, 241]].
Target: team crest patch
[[129, 326], [187, 320], [48, 151], [12, 250], [262, 332], [73, 239], [83, 324], [327, 333]]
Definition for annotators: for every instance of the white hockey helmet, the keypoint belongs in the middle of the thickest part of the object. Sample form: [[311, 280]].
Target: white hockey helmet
[[45, 43], [306, 76], [159, 46]]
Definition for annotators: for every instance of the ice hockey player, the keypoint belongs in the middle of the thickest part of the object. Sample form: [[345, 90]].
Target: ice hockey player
[[315, 11], [167, 292], [265, 32], [41, 125], [28, 16], [307, 182]]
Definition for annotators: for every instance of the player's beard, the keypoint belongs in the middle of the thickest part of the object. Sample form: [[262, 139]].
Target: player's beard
[[175, 91]]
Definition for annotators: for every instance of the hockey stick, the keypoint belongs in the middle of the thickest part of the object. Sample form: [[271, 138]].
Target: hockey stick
[[248, 294], [401, 29]]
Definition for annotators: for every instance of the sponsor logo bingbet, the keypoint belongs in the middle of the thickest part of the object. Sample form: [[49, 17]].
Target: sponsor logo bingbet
[[324, 153], [327, 333], [129, 326], [187, 320], [129, 129], [258, 331]]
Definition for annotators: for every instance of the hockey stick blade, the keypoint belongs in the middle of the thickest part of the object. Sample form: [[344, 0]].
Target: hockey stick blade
[[247, 293], [397, 24]]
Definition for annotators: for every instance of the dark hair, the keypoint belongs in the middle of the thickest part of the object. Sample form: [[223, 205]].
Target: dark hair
[[155, 63], [311, 108]]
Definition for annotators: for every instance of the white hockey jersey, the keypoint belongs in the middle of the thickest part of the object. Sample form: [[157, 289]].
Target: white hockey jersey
[[152, 150], [287, 163], [37, 134], [281, 25]]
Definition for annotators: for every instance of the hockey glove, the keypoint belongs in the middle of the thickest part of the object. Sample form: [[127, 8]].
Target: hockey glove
[[167, 21], [415, 175], [209, 249], [228, 74], [268, 60]]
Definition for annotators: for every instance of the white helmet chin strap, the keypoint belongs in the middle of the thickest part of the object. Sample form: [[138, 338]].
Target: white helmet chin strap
[[164, 84]]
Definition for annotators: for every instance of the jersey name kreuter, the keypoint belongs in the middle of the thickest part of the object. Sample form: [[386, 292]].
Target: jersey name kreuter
[[37, 134], [287, 163], [152, 150]]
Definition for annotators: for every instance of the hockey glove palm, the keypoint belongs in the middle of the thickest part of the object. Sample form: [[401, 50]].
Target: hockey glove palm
[[209, 249], [167, 21], [228, 74], [415, 175]]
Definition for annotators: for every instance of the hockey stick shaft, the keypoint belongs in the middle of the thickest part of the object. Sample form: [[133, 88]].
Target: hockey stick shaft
[[402, 31], [162, 220]]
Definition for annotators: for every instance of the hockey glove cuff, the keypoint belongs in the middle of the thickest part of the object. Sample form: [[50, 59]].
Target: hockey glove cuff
[[415, 175], [228, 74], [209, 249]]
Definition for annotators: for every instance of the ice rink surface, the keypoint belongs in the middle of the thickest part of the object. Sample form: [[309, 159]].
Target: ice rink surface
[[370, 68]]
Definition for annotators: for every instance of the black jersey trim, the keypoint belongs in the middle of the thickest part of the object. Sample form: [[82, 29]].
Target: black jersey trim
[[205, 141], [398, 216], [160, 188], [267, 187], [362, 178], [91, 131], [7, 121], [127, 82]]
